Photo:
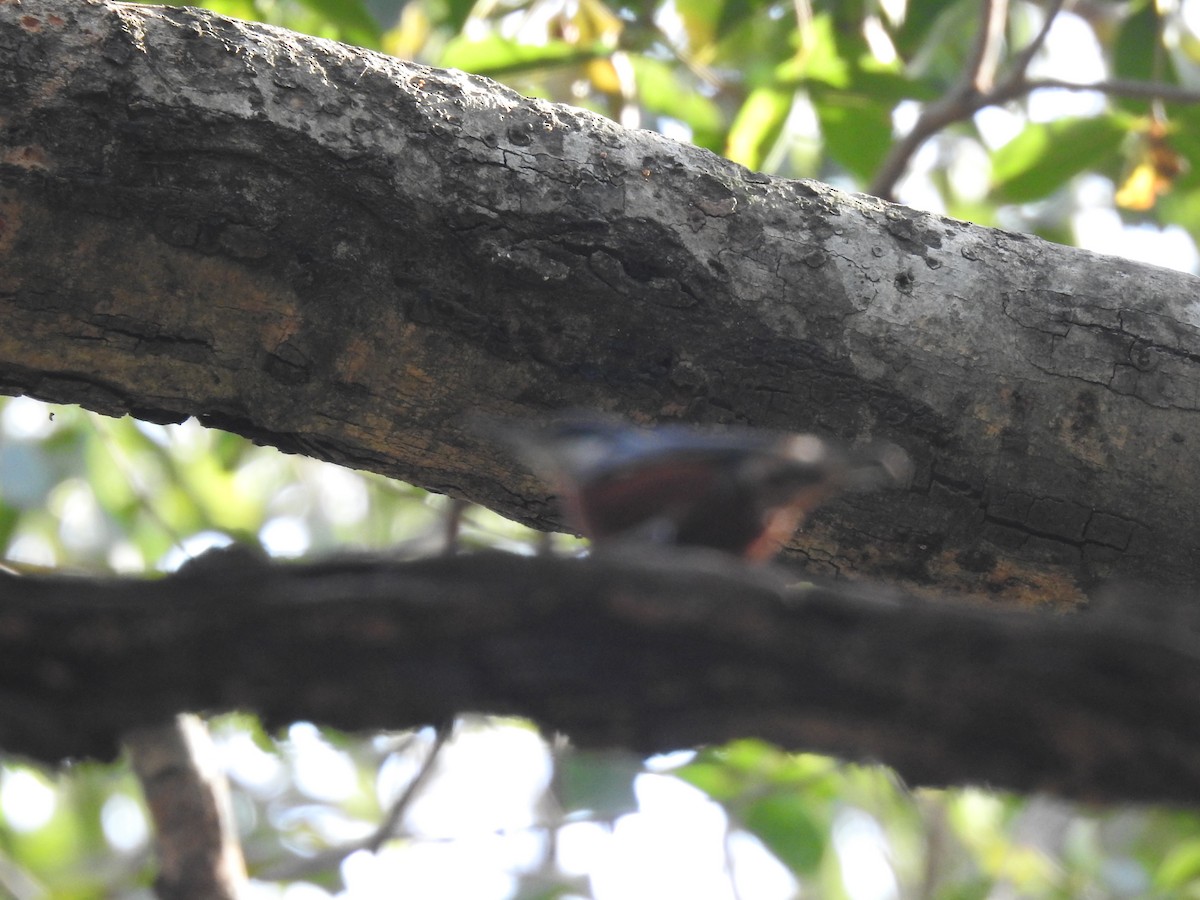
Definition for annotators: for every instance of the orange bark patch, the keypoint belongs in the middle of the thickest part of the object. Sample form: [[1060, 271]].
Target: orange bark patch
[[1009, 582], [30, 156]]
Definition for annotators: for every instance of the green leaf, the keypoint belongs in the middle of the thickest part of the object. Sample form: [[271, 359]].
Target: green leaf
[[940, 51], [783, 822], [1133, 53], [661, 90], [1137, 55], [734, 13], [716, 779], [758, 125], [9, 518], [820, 59], [1044, 156], [852, 93], [238, 9], [350, 17], [755, 48], [699, 19], [706, 21], [750, 756], [780, 811], [857, 132], [457, 12], [600, 783], [976, 887], [724, 773], [879, 86], [920, 17], [494, 55], [1180, 868], [1180, 207]]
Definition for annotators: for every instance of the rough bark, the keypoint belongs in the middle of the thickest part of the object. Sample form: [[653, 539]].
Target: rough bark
[[339, 253], [651, 653]]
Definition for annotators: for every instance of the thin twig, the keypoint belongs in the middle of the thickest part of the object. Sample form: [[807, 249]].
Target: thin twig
[[333, 856], [132, 477], [452, 526], [1022, 60], [388, 826], [18, 883], [1133, 90], [730, 870], [933, 815]]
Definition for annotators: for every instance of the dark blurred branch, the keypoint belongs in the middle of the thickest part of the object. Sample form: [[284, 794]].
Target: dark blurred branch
[[651, 653]]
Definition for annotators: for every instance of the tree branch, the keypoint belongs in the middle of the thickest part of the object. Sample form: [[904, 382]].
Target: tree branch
[[342, 254], [980, 71], [199, 855], [653, 653], [332, 857], [975, 90], [1020, 64], [395, 814], [1133, 90]]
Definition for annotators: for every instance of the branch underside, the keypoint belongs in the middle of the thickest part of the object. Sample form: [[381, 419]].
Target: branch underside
[[651, 652]]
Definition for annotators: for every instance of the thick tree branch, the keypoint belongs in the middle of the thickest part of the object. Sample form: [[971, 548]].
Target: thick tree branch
[[653, 653], [340, 254]]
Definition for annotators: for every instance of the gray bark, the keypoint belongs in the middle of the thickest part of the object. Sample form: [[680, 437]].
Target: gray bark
[[340, 253]]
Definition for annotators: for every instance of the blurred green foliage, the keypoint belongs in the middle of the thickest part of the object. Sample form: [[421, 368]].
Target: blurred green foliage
[[822, 90]]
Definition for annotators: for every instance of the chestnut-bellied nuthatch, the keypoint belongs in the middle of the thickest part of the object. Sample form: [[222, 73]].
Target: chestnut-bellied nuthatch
[[740, 490]]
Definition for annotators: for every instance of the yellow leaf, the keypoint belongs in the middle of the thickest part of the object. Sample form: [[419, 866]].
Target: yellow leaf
[[603, 76], [1140, 189]]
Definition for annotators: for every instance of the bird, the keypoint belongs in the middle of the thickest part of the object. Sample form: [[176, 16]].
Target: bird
[[742, 491]]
